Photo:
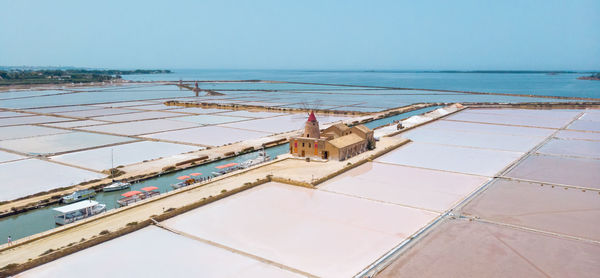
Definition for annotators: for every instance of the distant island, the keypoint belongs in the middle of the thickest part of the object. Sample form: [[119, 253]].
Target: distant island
[[61, 76], [595, 76]]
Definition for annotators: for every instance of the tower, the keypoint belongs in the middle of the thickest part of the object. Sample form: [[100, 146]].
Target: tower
[[311, 128]]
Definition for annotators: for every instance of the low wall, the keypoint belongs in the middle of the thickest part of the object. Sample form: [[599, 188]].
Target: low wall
[[292, 182]]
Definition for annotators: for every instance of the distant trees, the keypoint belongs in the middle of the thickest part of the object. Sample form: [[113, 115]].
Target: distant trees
[[56, 76]]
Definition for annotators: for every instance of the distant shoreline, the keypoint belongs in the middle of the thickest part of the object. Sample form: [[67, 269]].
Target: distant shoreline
[[595, 76], [14, 77]]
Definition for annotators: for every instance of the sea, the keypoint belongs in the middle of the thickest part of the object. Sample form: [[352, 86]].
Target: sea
[[530, 83]]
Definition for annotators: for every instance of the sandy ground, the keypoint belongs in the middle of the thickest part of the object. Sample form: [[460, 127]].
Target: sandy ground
[[286, 168]]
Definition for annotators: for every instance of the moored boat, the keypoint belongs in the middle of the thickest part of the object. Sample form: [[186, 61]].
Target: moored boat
[[116, 186], [226, 168], [261, 158], [77, 211], [135, 196], [78, 196]]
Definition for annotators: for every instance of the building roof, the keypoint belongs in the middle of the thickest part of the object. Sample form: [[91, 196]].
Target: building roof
[[311, 117], [346, 140], [362, 128], [339, 126], [76, 206]]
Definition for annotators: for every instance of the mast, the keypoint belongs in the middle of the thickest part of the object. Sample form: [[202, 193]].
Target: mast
[[112, 166]]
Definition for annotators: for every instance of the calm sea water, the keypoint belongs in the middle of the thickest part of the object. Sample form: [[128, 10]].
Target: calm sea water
[[519, 83]]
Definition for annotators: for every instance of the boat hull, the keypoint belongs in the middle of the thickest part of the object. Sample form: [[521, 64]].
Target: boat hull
[[115, 188]]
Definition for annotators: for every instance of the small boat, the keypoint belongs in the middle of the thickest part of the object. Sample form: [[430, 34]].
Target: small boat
[[79, 195], [178, 185], [116, 186], [183, 183], [135, 196], [130, 197], [73, 212], [261, 158], [226, 168]]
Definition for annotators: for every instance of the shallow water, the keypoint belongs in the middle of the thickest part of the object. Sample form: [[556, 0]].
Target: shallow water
[[519, 83]]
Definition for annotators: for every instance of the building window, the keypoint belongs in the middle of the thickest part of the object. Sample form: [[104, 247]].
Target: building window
[[302, 144], [309, 145], [307, 135]]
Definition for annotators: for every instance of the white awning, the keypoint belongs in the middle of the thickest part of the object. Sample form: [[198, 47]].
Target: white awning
[[76, 206]]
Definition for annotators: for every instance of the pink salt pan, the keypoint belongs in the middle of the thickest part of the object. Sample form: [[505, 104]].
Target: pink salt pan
[[460, 248], [571, 212], [322, 233], [561, 170], [421, 188], [451, 158], [583, 148]]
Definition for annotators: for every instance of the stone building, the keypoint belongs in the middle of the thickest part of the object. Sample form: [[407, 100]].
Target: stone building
[[338, 141]]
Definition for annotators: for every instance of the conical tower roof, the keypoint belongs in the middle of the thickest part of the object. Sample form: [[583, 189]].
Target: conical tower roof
[[311, 117]]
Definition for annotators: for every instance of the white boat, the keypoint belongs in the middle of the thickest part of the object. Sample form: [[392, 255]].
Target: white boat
[[78, 196], [116, 186], [226, 168], [77, 211], [261, 158]]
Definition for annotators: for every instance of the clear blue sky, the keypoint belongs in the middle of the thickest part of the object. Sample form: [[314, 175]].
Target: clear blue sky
[[462, 35]]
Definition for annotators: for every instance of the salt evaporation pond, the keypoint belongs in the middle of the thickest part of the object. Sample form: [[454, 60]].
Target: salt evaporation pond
[[523, 120], [252, 114], [524, 219], [580, 148], [210, 119], [96, 112], [140, 127], [585, 125], [138, 115], [6, 156], [283, 123], [483, 162], [198, 110], [29, 176], [208, 135], [300, 232], [474, 139], [150, 247], [125, 154], [130, 104], [464, 248], [420, 188], [31, 120], [11, 114], [61, 142], [582, 172], [572, 134], [78, 123], [489, 128], [63, 109], [23, 131], [571, 212]]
